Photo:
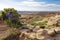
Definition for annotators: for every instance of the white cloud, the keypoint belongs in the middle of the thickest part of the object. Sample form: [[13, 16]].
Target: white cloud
[[29, 5], [28, 0]]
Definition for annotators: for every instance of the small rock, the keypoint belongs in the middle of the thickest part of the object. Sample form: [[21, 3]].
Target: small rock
[[32, 35], [51, 32], [36, 28], [57, 30]]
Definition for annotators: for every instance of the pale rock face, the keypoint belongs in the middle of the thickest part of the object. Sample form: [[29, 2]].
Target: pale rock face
[[51, 32], [29, 26], [44, 34], [36, 28], [40, 34], [40, 37], [53, 20], [57, 30], [32, 35]]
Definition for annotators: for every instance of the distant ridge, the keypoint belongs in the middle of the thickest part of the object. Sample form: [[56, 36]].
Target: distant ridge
[[38, 12]]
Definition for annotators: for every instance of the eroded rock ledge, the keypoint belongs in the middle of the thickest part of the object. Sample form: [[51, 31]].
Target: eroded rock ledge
[[35, 34], [40, 34]]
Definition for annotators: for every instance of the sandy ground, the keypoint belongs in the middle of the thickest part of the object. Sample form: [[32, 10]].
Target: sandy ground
[[3, 30]]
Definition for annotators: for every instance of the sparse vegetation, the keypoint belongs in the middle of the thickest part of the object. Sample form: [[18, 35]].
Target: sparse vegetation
[[14, 34], [13, 20], [11, 16]]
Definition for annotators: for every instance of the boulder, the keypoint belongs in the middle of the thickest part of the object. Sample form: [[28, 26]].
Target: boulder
[[57, 30], [41, 34], [51, 32]]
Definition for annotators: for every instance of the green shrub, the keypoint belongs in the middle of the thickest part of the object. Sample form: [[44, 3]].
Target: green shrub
[[14, 34], [34, 23], [15, 20], [42, 26]]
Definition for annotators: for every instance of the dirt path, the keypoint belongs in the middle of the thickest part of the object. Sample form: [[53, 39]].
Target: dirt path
[[3, 30]]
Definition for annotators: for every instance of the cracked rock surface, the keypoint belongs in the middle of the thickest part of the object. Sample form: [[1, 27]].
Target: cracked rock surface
[[41, 34]]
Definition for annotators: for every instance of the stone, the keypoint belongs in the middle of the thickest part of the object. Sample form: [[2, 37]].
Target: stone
[[51, 32], [42, 34], [32, 35], [57, 30], [36, 28]]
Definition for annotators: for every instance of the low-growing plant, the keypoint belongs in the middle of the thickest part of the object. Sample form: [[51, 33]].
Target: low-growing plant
[[12, 37], [42, 26], [33, 23], [14, 34]]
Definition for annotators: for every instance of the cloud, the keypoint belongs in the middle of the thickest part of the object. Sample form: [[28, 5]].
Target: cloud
[[28, 0], [29, 5]]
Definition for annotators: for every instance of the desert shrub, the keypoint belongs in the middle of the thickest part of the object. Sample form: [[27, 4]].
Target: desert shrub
[[4, 16], [11, 16], [58, 23], [42, 24], [58, 20], [9, 23], [45, 21], [34, 23], [0, 15], [13, 35]]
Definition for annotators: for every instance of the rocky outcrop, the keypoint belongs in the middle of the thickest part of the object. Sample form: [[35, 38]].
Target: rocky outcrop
[[40, 34], [33, 34]]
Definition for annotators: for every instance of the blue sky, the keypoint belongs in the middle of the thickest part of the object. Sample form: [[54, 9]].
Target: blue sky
[[31, 5]]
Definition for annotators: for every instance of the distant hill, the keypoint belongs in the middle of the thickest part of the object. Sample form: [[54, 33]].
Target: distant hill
[[38, 12]]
